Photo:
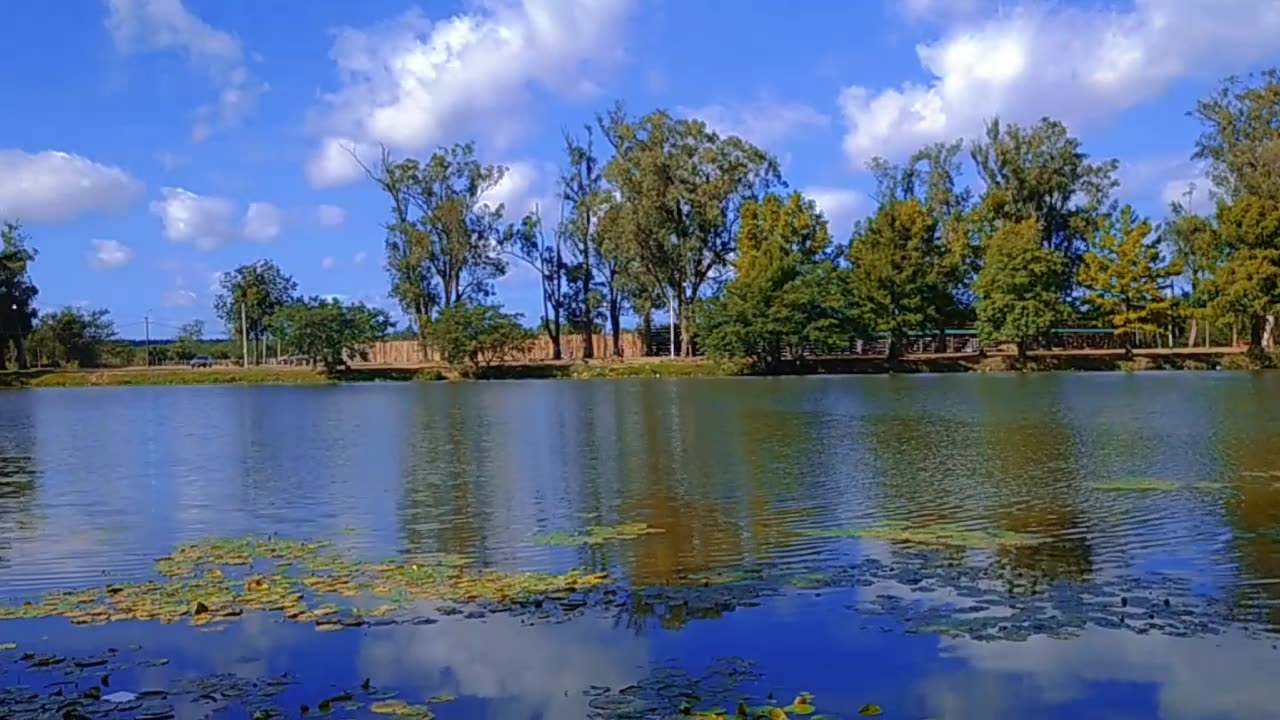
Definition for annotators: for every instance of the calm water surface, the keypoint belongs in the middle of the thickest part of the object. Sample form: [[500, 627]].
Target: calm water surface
[[1137, 605]]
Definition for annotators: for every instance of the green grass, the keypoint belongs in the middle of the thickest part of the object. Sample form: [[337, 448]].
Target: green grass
[[167, 376]]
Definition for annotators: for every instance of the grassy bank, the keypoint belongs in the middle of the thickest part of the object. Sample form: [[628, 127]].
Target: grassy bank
[[1037, 362]]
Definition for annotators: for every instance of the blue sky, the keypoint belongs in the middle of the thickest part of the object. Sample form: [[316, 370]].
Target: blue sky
[[150, 144]]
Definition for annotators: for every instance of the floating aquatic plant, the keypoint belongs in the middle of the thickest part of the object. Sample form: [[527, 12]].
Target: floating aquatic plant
[[931, 535], [198, 584], [596, 534]]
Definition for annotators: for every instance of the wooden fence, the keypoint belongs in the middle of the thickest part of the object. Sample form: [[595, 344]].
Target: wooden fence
[[411, 352]]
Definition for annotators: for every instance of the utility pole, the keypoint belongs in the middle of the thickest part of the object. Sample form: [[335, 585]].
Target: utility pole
[[671, 322], [146, 343], [244, 333]]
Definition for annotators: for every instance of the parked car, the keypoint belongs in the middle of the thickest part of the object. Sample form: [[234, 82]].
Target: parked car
[[201, 361]]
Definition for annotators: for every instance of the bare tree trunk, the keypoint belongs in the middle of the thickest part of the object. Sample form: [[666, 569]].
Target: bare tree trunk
[[1191, 336], [646, 327], [615, 325], [20, 352], [1268, 333]]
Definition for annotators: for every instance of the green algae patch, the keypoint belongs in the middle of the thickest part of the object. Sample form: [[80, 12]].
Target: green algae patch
[[596, 534], [221, 579], [945, 535]]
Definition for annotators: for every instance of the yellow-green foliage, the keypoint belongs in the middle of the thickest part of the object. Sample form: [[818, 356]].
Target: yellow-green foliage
[[1125, 275], [597, 534], [932, 535]]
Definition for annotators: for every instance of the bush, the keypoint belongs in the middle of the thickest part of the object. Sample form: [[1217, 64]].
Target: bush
[[478, 336]]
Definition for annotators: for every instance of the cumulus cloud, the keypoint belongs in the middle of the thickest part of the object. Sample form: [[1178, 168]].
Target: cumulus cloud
[[1165, 180], [328, 262], [55, 187], [763, 123], [841, 206], [1076, 64], [209, 222], [518, 190], [263, 222], [109, 254], [412, 83], [166, 25], [330, 215]]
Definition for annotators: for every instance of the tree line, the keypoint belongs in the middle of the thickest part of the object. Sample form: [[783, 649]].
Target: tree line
[[1013, 233]]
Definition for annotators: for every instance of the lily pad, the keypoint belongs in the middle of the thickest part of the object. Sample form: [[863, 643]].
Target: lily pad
[[597, 534], [932, 535], [870, 710]]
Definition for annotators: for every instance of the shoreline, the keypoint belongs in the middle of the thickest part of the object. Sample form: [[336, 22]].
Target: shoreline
[[1067, 361]]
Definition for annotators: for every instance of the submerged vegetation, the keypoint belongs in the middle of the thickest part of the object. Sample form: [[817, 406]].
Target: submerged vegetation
[[903, 532], [1152, 485], [596, 534]]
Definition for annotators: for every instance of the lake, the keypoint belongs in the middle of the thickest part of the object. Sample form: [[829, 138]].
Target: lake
[[949, 547]]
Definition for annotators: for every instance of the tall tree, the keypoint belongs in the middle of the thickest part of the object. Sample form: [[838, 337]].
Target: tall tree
[[1041, 173], [1240, 135], [17, 294], [252, 293], [583, 189], [899, 272], [1240, 141], [685, 185], [784, 295], [1198, 250], [1017, 290], [1247, 285], [444, 239], [620, 279], [1126, 277], [187, 342], [529, 244]]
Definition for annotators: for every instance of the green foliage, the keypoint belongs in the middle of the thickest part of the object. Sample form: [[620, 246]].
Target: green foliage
[[328, 331], [1017, 289], [1240, 135], [187, 343], [444, 240], [900, 272], [253, 293], [1247, 285], [477, 336], [785, 291], [1126, 276], [72, 337], [684, 186], [17, 294], [1041, 172]]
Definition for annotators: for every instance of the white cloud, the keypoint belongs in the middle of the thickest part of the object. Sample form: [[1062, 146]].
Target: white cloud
[[109, 254], [203, 221], [328, 262], [169, 161], [178, 297], [360, 257], [936, 10], [1074, 64], [263, 222], [209, 222], [763, 123], [517, 191], [55, 187], [160, 25], [330, 215], [412, 83], [841, 206], [1165, 180]]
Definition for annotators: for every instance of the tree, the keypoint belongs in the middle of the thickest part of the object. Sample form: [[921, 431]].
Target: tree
[[253, 293], [528, 242], [1125, 276], [328, 331], [72, 337], [444, 240], [17, 294], [1199, 251], [1247, 285], [621, 282], [186, 344], [478, 336], [685, 186], [784, 295], [1041, 173], [1017, 290], [583, 190], [899, 272], [1240, 137]]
